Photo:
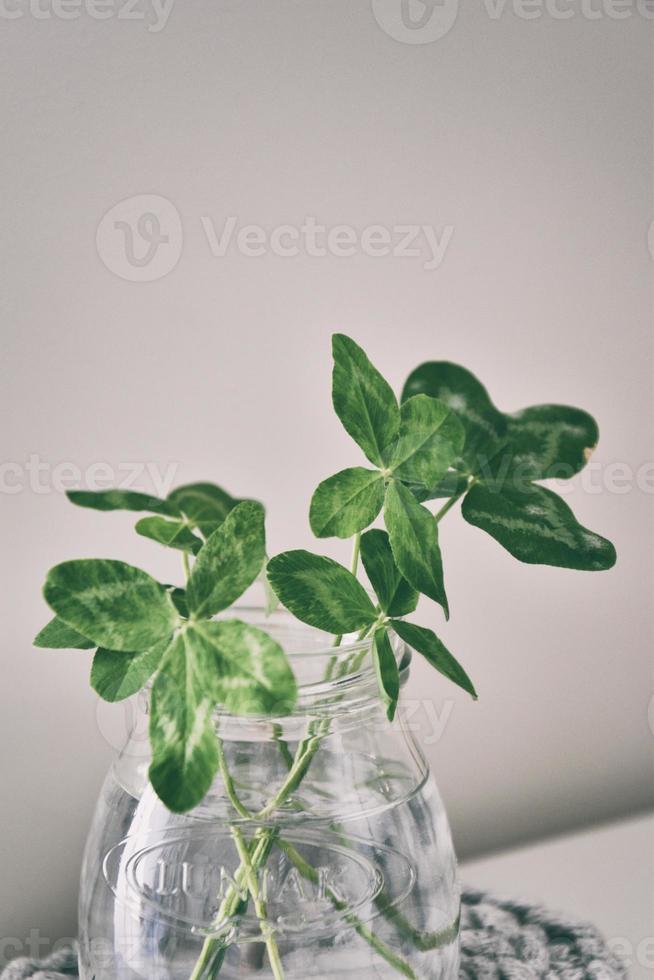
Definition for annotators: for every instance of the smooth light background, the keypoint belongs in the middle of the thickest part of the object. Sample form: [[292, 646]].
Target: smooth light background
[[533, 139]]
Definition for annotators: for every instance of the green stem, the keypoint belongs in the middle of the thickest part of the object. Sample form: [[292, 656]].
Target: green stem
[[283, 745], [304, 755], [354, 564], [310, 873], [260, 854], [259, 905], [424, 941], [367, 630], [231, 905], [261, 846], [440, 514], [187, 565], [306, 751], [229, 783], [356, 551]]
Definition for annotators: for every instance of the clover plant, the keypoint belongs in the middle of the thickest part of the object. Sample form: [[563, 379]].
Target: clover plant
[[444, 440]]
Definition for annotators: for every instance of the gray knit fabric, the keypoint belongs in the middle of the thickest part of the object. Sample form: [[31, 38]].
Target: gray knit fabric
[[509, 940], [59, 966], [500, 940]]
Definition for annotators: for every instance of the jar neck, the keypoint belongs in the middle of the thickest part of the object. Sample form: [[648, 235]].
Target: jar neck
[[331, 673], [335, 684], [338, 707]]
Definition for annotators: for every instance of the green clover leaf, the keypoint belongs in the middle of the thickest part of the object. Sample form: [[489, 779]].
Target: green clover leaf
[[320, 592], [346, 503], [396, 596], [427, 643], [229, 561], [413, 534], [363, 399], [115, 605], [386, 669], [173, 534], [536, 526]]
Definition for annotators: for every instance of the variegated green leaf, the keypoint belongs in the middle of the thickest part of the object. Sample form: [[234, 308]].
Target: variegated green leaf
[[116, 675], [363, 400], [57, 635], [229, 561], [182, 732], [251, 674], [413, 534], [388, 675], [172, 534], [320, 592], [271, 601], [346, 503], [115, 605], [551, 441], [396, 596], [537, 443], [427, 643], [205, 504], [485, 425], [122, 500], [537, 526], [431, 438]]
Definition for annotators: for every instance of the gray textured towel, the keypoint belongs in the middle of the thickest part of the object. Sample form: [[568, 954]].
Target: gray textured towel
[[500, 940]]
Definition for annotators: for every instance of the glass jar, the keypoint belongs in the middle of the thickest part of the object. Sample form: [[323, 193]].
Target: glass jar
[[322, 851]]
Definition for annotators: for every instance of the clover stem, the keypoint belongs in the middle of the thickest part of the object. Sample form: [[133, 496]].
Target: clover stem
[[259, 904], [303, 757], [312, 875], [186, 564], [214, 948], [249, 871], [354, 564], [367, 630], [440, 514], [240, 808], [260, 849], [305, 754], [356, 550]]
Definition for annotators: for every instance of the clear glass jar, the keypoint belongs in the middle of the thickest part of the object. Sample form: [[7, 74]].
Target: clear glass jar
[[349, 866]]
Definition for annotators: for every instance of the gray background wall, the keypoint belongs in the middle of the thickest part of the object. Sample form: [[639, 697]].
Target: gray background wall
[[531, 139]]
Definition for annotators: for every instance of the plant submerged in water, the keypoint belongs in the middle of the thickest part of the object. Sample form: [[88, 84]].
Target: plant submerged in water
[[444, 441]]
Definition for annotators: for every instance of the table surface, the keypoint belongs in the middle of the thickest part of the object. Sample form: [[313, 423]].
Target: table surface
[[604, 875]]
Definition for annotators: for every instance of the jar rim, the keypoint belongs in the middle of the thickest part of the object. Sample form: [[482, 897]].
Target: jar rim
[[358, 682]]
